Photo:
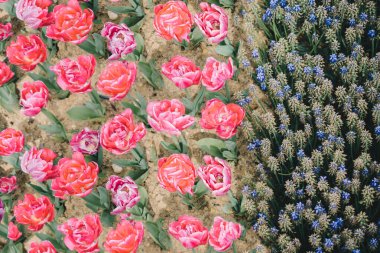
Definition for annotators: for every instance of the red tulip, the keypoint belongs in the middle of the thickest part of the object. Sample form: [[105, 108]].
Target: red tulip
[[116, 79], [223, 118], [176, 173], [27, 52], [11, 141], [173, 20], [6, 73], [34, 212], [126, 238], [76, 177], [72, 24], [13, 233]]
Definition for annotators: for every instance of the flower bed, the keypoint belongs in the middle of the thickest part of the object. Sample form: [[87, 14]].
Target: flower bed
[[119, 127]]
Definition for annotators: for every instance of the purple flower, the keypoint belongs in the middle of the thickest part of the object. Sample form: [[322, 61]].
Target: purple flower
[[125, 193], [86, 142], [121, 40], [2, 210]]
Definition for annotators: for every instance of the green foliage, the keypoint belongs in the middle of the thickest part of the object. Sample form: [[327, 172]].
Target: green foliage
[[8, 97], [9, 6], [95, 44], [178, 146], [193, 107], [135, 14], [139, 164], [48, 78], [215, 147], [92, 109], [56, 128], [138, 105], [151, 74], [159, 234]]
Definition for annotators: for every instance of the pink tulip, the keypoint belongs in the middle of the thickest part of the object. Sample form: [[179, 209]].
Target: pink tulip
[[82, 235], [189, 231], [168, 116], [13, 233], [42, 247], [125, 193], [223, 233], [6, 73], [86, 142], [182, 72], [212, 21], [34, 13], [5, 31], [120, 39], [8, 184], [121, 134], [75, 75], [39, 164], [224, 119], [215, 73], [216, 175], [33, 97]]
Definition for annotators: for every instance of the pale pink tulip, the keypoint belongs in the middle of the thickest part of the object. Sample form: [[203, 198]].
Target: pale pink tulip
[[216, 175], [168, 116], [215, 73], [189, 231], [182, 72], [212, 21], [125, 193]]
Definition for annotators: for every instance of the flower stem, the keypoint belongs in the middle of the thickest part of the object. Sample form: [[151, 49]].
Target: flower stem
[[234, 249], [228, 93], [56, 122]]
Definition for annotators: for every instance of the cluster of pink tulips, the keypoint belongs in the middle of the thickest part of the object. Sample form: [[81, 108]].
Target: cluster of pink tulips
[[76, 176]]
